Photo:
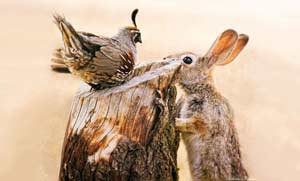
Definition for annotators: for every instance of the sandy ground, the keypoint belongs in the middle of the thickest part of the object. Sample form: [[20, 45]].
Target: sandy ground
[[262, 84]]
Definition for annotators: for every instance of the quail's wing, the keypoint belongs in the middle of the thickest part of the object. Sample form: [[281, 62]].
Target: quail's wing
[[113, 60], [95, 39], [87, 34]]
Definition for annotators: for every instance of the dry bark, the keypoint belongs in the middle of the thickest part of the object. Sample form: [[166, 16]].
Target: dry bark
[[126, 132]]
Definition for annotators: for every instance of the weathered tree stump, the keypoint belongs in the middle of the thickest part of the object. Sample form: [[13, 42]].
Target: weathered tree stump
[[126, 132]]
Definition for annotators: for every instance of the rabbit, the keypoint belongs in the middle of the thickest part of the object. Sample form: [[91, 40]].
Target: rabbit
[[205, 117]]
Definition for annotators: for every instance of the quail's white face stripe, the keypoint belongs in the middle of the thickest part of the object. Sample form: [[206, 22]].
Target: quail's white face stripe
[[135, 31]]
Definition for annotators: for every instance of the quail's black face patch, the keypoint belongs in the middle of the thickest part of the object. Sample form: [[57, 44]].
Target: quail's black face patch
[[187, 60], [137, 37]]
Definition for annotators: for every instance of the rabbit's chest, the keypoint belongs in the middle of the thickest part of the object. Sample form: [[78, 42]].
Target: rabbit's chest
[[192, 105]]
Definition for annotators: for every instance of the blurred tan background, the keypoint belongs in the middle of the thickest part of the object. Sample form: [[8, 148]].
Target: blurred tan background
[[262, 84]]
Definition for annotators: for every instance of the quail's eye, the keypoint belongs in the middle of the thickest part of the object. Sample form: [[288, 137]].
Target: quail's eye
[[187, 60]]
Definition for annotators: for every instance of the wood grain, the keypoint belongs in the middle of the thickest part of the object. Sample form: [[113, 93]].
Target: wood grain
[[126, 132]]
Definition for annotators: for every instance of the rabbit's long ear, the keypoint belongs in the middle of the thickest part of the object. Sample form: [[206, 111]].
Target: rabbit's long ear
[[222, 47], [238, 47]]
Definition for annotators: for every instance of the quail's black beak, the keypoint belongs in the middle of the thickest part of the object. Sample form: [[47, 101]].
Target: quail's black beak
[[139, 39]]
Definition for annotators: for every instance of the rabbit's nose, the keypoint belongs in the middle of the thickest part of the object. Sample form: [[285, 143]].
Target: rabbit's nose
[[169, 59]]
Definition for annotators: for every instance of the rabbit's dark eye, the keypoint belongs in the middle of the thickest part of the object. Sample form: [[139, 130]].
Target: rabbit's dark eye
[[187, 60]]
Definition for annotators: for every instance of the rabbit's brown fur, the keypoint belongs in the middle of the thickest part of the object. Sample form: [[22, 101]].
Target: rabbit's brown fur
[[213, 148], [205, 118]]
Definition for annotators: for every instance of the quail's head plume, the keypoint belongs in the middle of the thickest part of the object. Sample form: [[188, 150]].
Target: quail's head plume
[[99, 61], [132, 32]]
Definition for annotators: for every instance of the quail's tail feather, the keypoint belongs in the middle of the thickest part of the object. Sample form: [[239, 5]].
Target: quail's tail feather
[[72, 41], [74, 46], [58, 64], [58, 56], [60, 68]]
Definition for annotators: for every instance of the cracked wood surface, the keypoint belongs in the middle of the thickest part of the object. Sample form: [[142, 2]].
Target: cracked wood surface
[[125, 132]]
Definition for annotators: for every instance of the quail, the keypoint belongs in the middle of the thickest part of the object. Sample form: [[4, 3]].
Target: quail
[[101, 62]]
